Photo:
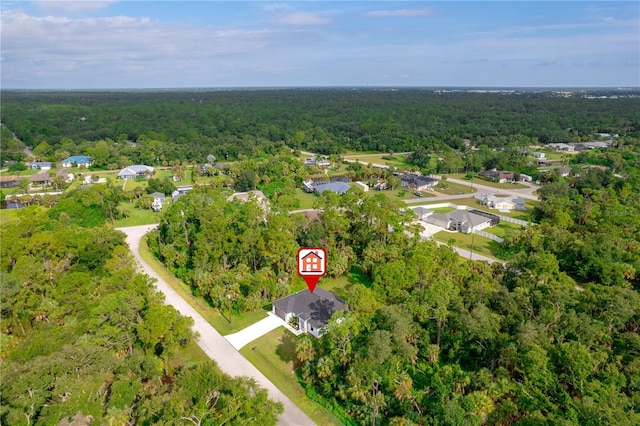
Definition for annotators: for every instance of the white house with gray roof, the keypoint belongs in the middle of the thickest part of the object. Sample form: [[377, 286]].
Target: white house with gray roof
[[135, 171]]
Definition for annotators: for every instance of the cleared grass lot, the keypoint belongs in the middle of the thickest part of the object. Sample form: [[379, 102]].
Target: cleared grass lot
[[481, 245], [477, 180]]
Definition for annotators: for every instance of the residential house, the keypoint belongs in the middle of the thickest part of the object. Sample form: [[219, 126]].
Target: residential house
[[310, 312], [460, 220], [421, 183], [257, 195], [504, 204], [8, 181], [77, 161], [564, 171], [40, 165], [422, 212], [318, 162], [179, 192], [525, 178], [500, 176], [133, 172], [40, 179], [363, 186], [539, 155], [337, 187], [380, 186], [158, 201]]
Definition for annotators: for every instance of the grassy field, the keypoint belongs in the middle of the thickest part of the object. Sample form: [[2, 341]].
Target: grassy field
[[274, 355], [477, 180], [481, 245], [136, 216], [504, 229], [456, 189], [396, 161], [218, 320], [306, 200]]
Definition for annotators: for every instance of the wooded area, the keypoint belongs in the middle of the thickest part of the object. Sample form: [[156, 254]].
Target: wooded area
[[189, 125], [85, 334]]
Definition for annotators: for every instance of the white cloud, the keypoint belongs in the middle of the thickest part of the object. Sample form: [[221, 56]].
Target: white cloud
[[73, 7], [303, 19], [126, 49], [397, 13]]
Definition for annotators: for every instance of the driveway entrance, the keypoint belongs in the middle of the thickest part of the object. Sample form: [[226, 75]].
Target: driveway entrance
[[251, 333]]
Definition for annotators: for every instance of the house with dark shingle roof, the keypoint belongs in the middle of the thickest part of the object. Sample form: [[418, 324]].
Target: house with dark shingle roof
[[310, 311]]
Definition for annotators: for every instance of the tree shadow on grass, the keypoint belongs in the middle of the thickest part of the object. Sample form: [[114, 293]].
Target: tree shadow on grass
[[286, 350]]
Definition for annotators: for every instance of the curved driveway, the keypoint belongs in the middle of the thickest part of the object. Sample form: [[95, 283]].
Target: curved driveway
[[212, 343]]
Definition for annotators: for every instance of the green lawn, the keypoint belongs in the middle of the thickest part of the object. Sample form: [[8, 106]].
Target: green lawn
[[504, 229], [481, 181], [219, 321], [306, 200], [481, 245], [274, 355], [456, 189], [396, 161], [136, 216], [443, 210]]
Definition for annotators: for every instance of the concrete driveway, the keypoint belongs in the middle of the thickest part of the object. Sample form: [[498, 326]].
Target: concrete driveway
[[251, 333], [210, 341]]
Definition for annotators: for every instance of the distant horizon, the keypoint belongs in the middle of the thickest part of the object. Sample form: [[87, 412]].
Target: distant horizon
[[116, 45], [346, 87]]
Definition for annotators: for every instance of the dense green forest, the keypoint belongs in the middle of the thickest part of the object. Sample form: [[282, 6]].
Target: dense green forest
[[84, 334], [429, 337], [152, 127]]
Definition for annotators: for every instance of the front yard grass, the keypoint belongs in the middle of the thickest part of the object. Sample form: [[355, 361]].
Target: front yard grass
[[275, 356]]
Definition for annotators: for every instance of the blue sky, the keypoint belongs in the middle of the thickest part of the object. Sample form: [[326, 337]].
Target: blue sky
[[169, 44]]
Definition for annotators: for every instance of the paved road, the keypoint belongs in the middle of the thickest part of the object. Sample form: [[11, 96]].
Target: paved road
[[212, 343]]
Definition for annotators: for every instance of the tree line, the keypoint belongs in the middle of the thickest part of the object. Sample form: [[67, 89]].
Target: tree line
[[152, 127]]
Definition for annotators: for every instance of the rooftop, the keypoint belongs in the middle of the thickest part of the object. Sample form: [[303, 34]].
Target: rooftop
[[316, 307]]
